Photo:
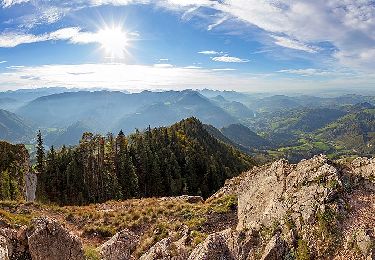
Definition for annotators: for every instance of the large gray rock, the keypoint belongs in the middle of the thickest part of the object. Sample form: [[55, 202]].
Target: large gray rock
[[228, 244], [120, 246], [51, 241]]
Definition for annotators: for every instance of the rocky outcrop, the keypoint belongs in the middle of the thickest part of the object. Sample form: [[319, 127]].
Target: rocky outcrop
[[285, 190], [49, 240], [120, 246]]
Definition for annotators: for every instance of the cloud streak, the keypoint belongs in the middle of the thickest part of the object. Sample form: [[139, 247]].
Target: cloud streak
[[229, 59]]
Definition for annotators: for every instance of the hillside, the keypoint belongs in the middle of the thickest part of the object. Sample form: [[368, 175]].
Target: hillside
[[181, 159], [245, 137], [13, 127], [354, 131], [316, 209]]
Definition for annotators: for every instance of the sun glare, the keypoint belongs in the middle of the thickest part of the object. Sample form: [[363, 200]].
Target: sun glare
[[114, 41]]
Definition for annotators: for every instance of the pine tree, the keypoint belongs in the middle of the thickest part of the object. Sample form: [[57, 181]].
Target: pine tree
[[39, 153]]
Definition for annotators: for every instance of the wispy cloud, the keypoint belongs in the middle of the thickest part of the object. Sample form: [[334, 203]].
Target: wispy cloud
[[9, 3], [209, 52], [294, 44], [163, 65], [229, 59], [311, 72], [224, 69], [3, 61]]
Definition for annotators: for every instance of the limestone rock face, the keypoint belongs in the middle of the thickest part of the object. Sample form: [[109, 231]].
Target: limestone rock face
[[51, 241], [120, 246], [228, 244], [284, 189]]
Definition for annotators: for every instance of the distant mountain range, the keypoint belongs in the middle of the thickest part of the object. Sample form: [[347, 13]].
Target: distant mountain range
[[274, 125]]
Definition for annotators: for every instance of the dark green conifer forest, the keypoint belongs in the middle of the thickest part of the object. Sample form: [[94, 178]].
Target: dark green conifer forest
[[166, 161]]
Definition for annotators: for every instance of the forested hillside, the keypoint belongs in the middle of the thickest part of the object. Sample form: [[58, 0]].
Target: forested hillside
[[181, 159], [14, 163]]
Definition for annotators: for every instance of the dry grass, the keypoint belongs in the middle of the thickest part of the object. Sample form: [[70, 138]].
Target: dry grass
[[151, 218]]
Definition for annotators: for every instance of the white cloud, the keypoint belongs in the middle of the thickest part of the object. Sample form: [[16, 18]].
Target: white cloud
[[224, 69], [209, 52], [193, 67], [229, 59], [311, 72], [294, 44], [3, 61], [139, 77], [9, 3], [163, 65]]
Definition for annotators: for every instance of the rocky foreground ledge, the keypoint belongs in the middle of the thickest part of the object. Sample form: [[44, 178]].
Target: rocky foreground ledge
[[316, 209]]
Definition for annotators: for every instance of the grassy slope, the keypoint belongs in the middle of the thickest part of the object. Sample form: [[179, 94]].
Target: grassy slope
[[151, 218]]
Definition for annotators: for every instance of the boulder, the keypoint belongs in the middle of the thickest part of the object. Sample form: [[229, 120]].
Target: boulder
[[120, 246], [228, 244], [49, 240]]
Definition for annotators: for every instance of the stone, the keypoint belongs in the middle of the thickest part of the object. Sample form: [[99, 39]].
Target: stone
[[51, 241], [120, 246]]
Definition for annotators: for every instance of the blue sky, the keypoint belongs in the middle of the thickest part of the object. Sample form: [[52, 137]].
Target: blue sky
[[247, 45]]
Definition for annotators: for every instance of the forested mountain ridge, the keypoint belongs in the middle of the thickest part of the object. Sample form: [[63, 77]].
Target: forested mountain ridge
[[181, 159]]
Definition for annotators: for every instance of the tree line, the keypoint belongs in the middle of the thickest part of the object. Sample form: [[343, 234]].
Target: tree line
[[166, 161]]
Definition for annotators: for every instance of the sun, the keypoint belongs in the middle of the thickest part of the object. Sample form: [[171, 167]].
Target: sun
[[114, 41]]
